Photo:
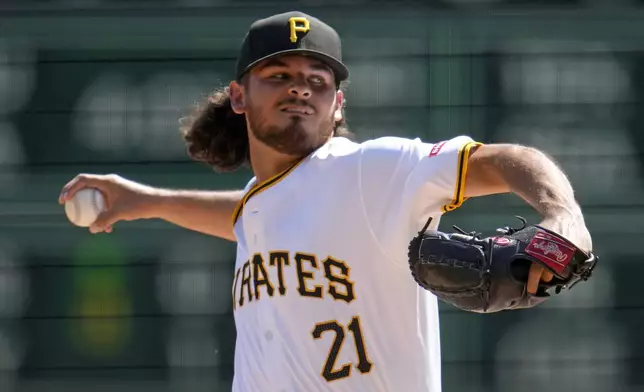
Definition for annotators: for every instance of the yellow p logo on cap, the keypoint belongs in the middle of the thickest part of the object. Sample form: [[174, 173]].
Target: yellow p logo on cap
[[298, 24]]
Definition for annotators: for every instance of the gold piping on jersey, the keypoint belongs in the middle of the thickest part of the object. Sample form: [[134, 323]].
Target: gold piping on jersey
[[260, 188], [461, 173]]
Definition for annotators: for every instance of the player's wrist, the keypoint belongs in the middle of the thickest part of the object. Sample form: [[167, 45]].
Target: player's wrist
[[156, 202], [570, 223]]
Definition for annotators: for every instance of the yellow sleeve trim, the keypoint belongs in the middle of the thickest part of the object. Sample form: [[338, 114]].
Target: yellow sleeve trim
[[461, 173], [258, 188]]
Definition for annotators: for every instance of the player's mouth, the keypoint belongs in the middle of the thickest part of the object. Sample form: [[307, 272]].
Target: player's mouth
[[297, 109]]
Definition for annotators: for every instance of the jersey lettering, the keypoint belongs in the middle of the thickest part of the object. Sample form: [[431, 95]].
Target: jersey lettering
[[340, 287], [235, 289], [315, 278], [303, 275], [246, 276], [261, 277], [279, 259]]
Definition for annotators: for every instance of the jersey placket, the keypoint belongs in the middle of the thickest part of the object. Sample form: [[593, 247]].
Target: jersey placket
[[267, 335]]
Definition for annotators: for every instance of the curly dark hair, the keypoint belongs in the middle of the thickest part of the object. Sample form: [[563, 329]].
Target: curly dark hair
[[217, 136]]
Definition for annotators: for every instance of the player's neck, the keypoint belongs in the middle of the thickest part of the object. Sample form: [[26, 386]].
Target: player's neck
[[267, 162]]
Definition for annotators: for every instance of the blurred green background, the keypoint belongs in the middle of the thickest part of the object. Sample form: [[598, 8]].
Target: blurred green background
[[98, 86]]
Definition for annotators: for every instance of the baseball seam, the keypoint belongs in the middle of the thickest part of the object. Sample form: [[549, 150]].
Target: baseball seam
[[75, 210], [95, 201]]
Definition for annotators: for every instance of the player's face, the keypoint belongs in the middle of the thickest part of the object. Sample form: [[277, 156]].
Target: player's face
[[291, 104]]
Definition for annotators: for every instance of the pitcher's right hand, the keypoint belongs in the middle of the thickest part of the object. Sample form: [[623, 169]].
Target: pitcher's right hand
[[125, 200]]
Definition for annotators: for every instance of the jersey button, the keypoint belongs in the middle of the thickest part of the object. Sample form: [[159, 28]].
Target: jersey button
[[268, 335]]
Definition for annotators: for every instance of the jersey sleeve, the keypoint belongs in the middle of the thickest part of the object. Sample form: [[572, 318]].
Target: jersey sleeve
[[405, 181]]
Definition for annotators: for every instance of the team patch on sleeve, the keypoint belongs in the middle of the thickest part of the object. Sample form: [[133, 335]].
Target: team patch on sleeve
[[461, 173], [436, 149]]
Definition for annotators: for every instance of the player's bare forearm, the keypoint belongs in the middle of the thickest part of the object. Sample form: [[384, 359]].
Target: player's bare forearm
[[208, 212], [536, 178], [525, 171]]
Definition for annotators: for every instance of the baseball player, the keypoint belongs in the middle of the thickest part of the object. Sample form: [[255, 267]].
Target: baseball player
[[321, 290]]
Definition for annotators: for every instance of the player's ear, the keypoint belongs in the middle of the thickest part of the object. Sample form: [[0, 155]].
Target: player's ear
[[339, 102], [237, 97]]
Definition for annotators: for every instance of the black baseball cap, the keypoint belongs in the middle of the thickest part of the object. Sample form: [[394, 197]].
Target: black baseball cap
[[291, 33]]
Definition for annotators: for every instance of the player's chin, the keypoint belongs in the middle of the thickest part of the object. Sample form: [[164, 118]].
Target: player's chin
[[300, 125]]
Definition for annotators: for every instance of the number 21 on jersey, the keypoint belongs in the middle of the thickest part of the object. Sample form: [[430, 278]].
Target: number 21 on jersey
[[330, 371]]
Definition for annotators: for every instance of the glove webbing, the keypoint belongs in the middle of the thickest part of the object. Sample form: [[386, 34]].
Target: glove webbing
[[482, 288]]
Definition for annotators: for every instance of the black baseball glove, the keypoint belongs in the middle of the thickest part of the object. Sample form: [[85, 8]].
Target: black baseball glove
[[490, 274]]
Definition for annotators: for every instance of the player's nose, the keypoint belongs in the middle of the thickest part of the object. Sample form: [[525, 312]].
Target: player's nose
[[300, 88]]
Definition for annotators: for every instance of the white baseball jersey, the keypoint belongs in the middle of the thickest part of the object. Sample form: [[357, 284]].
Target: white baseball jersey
[[322, 293]]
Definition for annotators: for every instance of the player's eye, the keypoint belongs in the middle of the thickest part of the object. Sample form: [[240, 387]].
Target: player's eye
[[318, 80], [279, 76]]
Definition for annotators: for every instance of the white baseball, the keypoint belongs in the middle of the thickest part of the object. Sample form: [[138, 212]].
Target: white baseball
[[83, 209]]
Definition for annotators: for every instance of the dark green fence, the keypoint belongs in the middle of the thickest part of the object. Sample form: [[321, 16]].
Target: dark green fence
[[147, 308]]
